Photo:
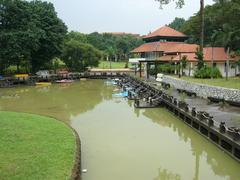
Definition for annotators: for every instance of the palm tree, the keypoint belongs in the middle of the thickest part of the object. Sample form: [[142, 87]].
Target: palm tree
[[180, 4]]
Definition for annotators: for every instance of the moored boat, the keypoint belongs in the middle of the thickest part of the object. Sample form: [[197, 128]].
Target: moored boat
[[65, 81], [43, 83]]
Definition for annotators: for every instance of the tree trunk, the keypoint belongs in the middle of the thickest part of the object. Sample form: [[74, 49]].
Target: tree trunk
[[202, 24], [227, 66]]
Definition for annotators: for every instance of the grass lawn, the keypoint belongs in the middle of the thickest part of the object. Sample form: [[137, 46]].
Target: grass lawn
[[35, 147], [233, 82], [115, 65]]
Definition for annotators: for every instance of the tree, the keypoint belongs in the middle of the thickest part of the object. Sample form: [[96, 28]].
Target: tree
[[177, 23], [215, 16], [180, 3], [199, 57], [227, 37], [77, 36], [78, 56], [15, 33], [30, 33], [183, 63], [53, 32]]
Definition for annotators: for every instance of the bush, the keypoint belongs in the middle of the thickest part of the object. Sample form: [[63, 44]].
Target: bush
[[167, 68], [208, 72]]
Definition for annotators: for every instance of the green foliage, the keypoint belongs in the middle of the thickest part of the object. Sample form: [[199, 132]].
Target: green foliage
[[177, 23], [223, 17], [179, 3], [199, 57], [166, 68], [207, 72], [184, 61], [115, 47], [78, 56], [31, 34], [238, 62]]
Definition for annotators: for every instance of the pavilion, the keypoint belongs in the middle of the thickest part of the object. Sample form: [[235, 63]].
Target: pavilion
[[166, 45]]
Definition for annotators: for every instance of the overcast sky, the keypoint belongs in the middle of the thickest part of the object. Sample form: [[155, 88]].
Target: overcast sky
[[133, 16]]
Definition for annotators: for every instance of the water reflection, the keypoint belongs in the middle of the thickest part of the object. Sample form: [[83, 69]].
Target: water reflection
[[60, 100], [164, 174], [200, 147]]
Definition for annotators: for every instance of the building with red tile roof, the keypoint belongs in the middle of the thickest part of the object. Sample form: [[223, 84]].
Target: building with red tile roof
[[168, 45], [165, 33]]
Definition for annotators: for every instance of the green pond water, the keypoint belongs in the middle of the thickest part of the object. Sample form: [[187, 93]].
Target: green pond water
[[120, 142]]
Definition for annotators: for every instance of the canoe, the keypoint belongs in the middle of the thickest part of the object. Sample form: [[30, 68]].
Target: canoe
[[65, 81], [21, 75], [43, 84]]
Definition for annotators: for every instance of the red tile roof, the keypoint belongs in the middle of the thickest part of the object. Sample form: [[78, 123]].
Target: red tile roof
[[167, 47], [169, 58], [219, 55], [166, 32]]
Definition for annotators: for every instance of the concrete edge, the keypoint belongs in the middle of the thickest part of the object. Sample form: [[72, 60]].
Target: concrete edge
[[200, 84], [76, 170]]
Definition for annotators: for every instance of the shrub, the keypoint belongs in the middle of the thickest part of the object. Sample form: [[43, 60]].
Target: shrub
[[167, 68], [207, 72]]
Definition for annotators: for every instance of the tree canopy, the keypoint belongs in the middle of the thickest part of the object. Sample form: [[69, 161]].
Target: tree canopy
[[177, 23], [114, 46], [78, 56], [31, 34], [220, 18]]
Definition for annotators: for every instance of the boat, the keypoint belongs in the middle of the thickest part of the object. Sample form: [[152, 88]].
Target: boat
[[65, 81], [43, 83], [121, 94]]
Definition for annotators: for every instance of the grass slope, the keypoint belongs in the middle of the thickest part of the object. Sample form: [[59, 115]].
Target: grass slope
[[115, 65], [35, 147]]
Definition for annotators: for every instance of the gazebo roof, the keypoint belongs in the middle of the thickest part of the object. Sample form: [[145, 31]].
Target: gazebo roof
[[165, 31]]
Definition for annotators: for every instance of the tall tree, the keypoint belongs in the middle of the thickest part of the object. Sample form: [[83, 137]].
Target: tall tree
[[227, 37], [52, 36], [180, 3], [177, 23], [30, 33]]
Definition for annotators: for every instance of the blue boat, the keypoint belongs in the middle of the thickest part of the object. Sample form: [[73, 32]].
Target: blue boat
[[121, 94]]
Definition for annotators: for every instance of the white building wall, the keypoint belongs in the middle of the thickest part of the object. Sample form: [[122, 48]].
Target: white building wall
[[191, 67]]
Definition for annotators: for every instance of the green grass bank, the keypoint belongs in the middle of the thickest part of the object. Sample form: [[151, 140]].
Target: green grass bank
[[114, 65], [35, 147]]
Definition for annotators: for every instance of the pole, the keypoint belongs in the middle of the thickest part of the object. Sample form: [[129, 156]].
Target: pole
[[212, 63], [140, 69], [202, 24], [227, 67]]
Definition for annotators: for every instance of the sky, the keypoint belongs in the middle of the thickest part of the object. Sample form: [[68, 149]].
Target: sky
[[130, 16]]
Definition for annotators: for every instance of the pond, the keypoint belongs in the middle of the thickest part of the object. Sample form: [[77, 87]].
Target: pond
[[121, 142]]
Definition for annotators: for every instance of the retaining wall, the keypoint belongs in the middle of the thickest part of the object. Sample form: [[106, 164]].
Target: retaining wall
[[203, 90]]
